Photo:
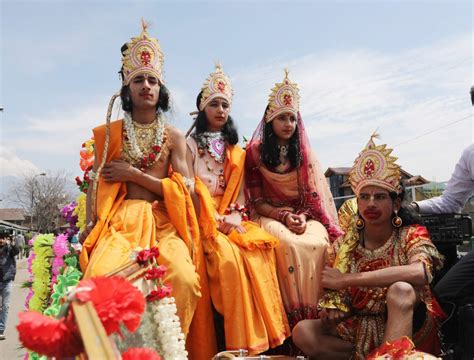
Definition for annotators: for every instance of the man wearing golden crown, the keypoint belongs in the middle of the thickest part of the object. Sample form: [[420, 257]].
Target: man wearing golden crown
[[378, 288], [139, 196]]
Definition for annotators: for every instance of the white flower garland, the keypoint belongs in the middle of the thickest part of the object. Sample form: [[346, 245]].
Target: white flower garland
[[135, 151], [169, 330]]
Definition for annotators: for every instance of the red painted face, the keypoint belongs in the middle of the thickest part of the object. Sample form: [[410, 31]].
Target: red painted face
[[144, 91], [217, 113], [284, 126], [376, 206]]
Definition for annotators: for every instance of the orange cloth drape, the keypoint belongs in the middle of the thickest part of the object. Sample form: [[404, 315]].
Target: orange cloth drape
[[241, 269], [170, 224]]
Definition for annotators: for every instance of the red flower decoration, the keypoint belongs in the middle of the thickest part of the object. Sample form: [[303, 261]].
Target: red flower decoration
[[156, 272], [156, 148], [140, 354], [116, 301], [155, 252], [159, 294], [151, 156], [143, 257], [147, 254], [49, 336]]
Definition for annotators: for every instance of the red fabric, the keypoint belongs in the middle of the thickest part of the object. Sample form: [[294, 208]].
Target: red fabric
[[397, 349]]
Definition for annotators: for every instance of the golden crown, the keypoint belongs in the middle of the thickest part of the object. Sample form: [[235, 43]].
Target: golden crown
[[283, 98], [217, 85], [375, 166], [142, 56]]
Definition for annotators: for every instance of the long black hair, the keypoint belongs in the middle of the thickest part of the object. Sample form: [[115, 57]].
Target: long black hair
[[163, 98], [163, 103], [269, 148], [229, 131], [408, 215]]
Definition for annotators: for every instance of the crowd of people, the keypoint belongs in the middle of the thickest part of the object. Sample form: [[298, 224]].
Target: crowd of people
[[256, 252]]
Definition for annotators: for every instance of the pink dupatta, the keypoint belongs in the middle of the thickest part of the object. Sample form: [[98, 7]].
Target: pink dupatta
[[313, 196]]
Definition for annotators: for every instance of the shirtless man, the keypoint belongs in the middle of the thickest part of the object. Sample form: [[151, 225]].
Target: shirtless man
[[133, 203]]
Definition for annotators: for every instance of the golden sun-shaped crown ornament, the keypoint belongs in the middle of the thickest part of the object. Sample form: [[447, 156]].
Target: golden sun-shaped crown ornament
[[142, 56], [284, 98], [375, 166], [217, 85]]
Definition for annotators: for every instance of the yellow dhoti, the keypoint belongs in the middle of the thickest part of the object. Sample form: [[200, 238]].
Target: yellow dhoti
[[241, 270], [137, 224], [244, 290]]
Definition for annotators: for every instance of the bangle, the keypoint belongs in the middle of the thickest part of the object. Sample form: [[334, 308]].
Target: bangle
[[189, 183], [283, 215], [239, 208]]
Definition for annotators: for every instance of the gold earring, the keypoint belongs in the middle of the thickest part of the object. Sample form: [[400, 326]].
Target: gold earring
[[360, 223], [397, 220]]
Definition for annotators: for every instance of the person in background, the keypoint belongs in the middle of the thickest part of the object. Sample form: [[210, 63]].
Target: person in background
[[8, 251]]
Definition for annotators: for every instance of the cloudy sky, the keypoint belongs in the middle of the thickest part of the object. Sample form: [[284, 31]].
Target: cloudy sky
[[402, 67]]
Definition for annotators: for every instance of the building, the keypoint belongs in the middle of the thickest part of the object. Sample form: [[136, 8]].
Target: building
[[13, 220], [338, 178]]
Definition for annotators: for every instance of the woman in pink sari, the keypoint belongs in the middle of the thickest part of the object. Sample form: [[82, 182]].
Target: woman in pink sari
[[290, 198]]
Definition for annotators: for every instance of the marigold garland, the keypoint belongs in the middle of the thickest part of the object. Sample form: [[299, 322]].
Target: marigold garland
[[80, 211]]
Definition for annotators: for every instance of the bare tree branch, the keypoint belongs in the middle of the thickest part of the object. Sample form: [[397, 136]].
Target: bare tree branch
[[42, 197]]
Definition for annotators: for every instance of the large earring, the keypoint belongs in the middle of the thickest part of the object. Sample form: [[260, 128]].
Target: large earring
[[397, 220], [360, 223]]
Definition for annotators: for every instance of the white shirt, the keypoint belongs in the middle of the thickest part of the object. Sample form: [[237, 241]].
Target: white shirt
[[458, 190]]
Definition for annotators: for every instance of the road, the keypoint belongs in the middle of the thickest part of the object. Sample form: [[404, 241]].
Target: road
[[10, 348]]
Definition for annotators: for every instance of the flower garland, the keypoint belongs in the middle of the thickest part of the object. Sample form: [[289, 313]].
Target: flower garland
[[40, 269], [161, 328], [70, 277], [238, 208], [67, 213], [29, 282], [136, 154], [116, 301], [60, 249], [172, 339], [80, 212], [86, 163]]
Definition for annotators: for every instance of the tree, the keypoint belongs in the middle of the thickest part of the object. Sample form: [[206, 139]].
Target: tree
[[42, 197]]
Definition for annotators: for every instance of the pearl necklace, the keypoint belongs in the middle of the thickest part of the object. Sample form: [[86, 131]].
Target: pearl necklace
[[133, 151]]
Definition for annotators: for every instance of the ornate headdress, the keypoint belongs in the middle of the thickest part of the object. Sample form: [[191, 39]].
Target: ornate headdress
[[283, 98], [217, 85], [142, 56], [375, 166]]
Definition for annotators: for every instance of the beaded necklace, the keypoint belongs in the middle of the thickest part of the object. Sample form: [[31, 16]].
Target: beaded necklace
[[143, 143], [214, 144]]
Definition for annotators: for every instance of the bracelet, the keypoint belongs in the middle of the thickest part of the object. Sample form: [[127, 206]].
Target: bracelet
[[283, 215], [305, 212], [189, 183], [239, 208]]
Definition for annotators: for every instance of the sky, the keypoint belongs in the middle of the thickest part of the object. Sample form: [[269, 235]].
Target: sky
[[404, 68]]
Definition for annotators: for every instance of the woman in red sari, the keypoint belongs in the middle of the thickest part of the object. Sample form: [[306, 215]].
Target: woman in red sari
[[290, 198]]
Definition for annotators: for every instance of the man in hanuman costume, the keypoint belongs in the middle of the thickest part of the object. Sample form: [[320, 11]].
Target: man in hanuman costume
[[139, 196], [377, 292]]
